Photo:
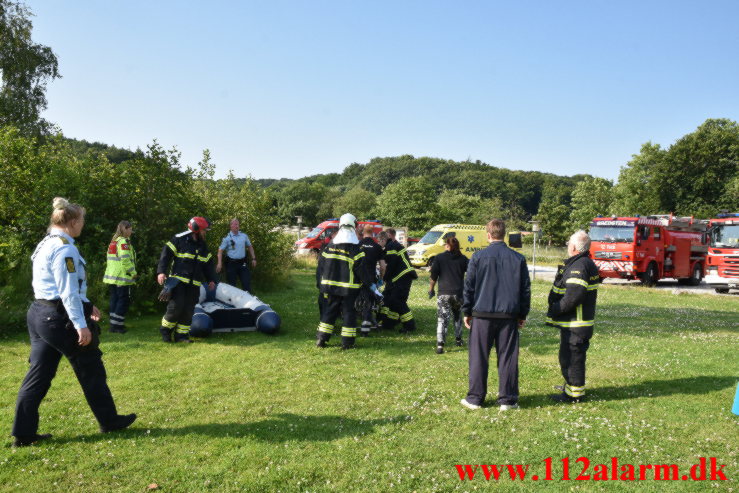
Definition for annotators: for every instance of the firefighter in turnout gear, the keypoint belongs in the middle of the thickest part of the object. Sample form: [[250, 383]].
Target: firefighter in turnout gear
[[120, 274], [191, 265], [399, 275], [341, 277], [367, 300], [572, 309]]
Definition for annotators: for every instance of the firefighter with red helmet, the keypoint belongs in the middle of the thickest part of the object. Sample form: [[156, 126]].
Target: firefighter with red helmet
[[191, 265]]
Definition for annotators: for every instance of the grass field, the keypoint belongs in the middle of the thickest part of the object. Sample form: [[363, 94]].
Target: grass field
[[250, 412]]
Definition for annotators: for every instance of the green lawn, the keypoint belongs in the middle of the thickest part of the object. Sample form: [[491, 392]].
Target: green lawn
[[250, 412]]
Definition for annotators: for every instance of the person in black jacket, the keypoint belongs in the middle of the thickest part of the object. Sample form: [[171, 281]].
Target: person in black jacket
[[572, 309], [367, 299], [497, 299], [191, 264], [448, 268], [399, 276], [342, 276]]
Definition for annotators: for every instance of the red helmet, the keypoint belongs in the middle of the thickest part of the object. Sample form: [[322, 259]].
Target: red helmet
[[198, 223]]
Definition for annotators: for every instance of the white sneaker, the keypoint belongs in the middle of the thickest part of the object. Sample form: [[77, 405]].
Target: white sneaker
[[469, 405], [508, 407]]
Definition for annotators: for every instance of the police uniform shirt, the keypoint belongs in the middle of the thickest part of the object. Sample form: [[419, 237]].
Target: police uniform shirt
[[59, 273], [235, 245]]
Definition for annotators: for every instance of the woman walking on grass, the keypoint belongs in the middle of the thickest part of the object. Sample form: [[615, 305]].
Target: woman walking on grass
[[120, 274]]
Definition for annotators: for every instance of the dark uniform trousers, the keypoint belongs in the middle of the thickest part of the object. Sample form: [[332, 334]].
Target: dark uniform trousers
[[120, 300], [180, 308], [333, 307], [51, 337], [237, 269], [573, 346], [503, 334], [396, 305]]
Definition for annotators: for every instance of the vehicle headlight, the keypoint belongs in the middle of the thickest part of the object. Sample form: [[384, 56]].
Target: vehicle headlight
[[712, 270]]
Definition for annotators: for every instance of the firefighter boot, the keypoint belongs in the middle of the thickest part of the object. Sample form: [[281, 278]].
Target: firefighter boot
[[182, 338], [347, 342], [322, 338], [364, 331], [408, 326], [166, 334]]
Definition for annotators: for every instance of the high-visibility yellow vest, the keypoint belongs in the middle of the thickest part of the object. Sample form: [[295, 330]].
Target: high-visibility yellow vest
[[121, 267]]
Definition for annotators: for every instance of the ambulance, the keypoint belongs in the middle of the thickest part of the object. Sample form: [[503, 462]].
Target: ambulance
[[471, 237]]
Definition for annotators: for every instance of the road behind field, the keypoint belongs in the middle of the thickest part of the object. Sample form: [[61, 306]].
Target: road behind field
[[547, 274]]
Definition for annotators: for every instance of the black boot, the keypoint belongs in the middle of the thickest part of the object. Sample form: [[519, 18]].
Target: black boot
[[322, 338], [347, 342], [166, 334], [119, 423], [182, 338], [25, 441]]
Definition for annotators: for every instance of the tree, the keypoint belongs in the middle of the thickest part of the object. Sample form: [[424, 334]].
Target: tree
[[637, 191], [26, 67], [554, 213], [409, 202], [357, 201], [591, 197], [302, 199]]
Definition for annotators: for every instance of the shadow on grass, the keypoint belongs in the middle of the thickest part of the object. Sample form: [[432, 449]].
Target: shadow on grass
[[278, 428], [690, 386]]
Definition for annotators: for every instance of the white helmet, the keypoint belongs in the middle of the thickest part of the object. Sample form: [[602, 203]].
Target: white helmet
[[347, 220]]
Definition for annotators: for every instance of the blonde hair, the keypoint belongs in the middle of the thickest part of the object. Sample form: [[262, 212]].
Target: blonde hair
[[65, 212], [496, 229], [123, 225]]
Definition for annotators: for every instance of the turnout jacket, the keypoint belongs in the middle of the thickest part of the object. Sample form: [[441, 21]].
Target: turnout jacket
[[574, 293], [398, 265], [341, 270], [191, 261]]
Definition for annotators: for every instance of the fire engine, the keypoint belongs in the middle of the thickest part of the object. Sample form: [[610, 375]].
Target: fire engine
[[322, 233], [722, 262], [649, 248]]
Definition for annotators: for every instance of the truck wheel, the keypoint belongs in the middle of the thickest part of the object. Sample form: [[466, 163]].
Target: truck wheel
[[697, 276], [722, 290], [651, 276]]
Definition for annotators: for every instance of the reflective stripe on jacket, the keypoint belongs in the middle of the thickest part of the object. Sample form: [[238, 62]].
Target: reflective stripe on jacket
[[341, 269], [121, 265], [398, 263], [574, 294], [191, 261]]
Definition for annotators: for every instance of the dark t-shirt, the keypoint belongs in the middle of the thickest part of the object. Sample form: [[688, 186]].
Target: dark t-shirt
[[449, 269]]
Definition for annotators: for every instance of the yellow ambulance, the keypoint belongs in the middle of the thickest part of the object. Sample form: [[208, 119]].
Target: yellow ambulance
[[471, 237]]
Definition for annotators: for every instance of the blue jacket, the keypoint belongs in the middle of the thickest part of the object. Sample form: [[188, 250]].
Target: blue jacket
[[497, 284]]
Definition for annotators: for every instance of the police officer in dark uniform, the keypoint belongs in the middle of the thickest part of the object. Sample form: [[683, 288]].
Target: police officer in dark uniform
[[342, 276], [191, 265], [367, 299], [572, 302], [62, 321], [399, 275]]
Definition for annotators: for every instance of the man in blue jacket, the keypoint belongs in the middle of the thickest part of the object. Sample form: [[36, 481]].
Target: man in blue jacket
[[497, 298]]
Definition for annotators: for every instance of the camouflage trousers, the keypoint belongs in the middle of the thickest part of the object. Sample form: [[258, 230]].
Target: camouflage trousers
[[448, 306]]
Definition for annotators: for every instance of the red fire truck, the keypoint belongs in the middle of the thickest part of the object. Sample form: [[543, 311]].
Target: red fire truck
[[649, 248], [321, 235], [722, 262]]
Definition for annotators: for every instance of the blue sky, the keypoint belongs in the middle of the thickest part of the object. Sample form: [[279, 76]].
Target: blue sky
[[294, 88]]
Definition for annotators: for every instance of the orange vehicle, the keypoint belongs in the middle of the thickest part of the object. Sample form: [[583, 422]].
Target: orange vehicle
[[321, 235], [649, 248], [722, 261]]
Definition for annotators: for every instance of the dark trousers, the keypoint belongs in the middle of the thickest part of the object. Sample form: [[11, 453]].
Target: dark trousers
[[180, 309], [120, 300], [51, 337], [503, 334], [237, 269], [396, 307], [366, 303], [573, 347], [333, 307]]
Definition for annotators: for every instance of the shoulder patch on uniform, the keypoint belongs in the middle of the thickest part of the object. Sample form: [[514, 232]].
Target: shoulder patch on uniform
[[64, 240], [70, 264], [124, 246]]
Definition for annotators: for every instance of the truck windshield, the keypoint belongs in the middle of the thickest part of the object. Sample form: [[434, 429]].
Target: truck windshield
[[612, 234], [430, 237], [316, 231], [725, 236]]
